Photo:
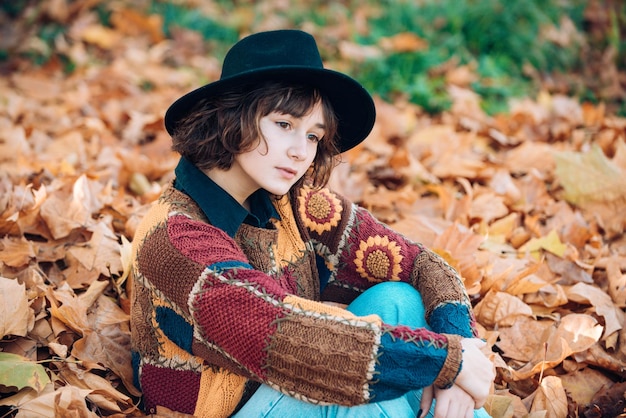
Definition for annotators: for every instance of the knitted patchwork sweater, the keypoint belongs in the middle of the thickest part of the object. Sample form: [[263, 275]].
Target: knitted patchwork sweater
[[212, 312]]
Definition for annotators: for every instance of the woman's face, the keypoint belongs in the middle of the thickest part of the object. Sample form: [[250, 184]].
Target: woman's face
[[281, 157]]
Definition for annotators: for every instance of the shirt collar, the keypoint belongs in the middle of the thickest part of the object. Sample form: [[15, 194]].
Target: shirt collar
[[222, 210]]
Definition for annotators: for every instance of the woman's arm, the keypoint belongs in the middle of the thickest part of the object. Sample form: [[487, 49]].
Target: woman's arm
[[360, 252]]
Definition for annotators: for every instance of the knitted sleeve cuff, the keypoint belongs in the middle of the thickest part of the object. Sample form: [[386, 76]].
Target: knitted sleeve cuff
[[452, 365]]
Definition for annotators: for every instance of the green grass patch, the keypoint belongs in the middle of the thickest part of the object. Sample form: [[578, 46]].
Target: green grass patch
[[500, 38]]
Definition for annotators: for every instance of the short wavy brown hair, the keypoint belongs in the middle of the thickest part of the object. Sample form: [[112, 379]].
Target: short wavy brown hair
[[221, 127]]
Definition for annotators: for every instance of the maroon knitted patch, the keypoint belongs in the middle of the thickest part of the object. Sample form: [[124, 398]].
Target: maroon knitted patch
[[174, 389], [203, 243], [238, 321]]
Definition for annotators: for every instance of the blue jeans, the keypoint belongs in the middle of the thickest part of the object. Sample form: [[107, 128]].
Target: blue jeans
[[396, 303]]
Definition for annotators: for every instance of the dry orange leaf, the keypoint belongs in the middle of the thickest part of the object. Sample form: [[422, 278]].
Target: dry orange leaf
[[17, 252], [462, 246], [501, 309], [403, 42], [16, 315]]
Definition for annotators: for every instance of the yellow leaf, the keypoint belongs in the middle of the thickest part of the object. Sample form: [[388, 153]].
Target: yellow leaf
[[126, 258], [499, 406], [101, 36], [550, 242], [19, 372], [589, 177]]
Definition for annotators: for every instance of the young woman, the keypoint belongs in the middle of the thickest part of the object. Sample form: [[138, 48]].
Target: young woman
[[234, 262]]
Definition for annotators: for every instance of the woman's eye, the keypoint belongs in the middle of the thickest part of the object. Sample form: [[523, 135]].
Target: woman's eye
[[284, 125], [314, 138]]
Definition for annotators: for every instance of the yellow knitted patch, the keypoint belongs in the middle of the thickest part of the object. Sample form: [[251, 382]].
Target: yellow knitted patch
[[321, 309], [219, 393], [289, 244]]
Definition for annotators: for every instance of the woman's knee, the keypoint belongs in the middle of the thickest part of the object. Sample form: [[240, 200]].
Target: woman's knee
[[397, 303]]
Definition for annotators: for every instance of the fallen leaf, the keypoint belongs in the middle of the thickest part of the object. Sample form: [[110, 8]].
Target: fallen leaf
[[617, 282], [551, 243], [403, 42], [17, 252], [502, 309], [16, 315], [19, 372], [589, 177], [101, 254], [582, 385], [551, 397], [601, 301]]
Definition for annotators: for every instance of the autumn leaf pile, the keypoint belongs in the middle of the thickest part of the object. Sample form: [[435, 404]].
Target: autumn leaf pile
[[528, 206]]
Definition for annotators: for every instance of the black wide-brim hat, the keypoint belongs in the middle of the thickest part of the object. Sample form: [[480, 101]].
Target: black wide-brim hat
[[292, 56]]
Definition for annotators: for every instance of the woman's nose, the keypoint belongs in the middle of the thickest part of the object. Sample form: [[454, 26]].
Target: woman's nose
[[298, 148]]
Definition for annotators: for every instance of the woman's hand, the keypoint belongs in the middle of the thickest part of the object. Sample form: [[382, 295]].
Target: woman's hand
[[451, 403], [477, 371]]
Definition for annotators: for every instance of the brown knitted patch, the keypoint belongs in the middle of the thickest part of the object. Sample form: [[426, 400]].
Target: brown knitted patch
[[324, 361], [256, 244], [167, 273], [298, 275], [451, 366], [142, 337], [436, 281], [334, 292]]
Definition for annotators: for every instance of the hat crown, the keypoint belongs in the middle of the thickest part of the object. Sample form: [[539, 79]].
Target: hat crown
[[274, 49]]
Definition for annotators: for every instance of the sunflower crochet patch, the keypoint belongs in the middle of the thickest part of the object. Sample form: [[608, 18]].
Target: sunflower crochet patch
[[378, 259], [319, 209]]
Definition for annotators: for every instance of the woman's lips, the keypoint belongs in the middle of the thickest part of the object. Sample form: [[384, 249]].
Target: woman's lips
[[287, 172]]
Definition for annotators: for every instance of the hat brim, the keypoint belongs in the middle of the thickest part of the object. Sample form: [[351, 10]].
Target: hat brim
[[352, 104]]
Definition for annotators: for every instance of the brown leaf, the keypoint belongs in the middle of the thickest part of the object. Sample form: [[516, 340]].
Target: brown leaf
[[582, 385], [551, 397], [617, 281], [584, 293], [103, 393], [101, 254], [521, 340]]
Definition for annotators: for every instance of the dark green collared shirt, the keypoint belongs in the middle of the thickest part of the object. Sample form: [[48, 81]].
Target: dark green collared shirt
[[220, 207]]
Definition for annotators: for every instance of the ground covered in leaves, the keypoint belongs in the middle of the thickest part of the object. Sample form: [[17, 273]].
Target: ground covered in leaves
[[528, 206]]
